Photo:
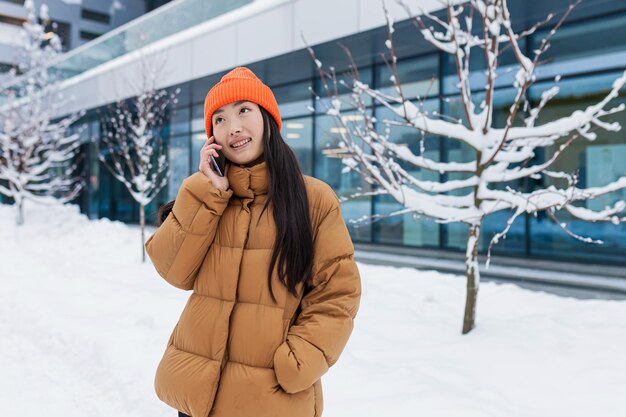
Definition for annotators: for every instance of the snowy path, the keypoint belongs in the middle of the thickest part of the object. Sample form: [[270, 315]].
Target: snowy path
[[84, 325]]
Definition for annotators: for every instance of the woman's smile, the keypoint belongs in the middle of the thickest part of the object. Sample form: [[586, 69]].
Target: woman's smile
[[240, 144]]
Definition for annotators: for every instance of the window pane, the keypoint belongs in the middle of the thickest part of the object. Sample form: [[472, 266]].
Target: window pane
[[182, 93], [328, 168], [116, 201], [294, 99], [197, 142], [587, 46], [179, 163], [197, 118], [344, 92], [95, 16], [180, 121], [407, 229], [598, 163], [93, 172], [505, 73], [418, 76], [298, 133]]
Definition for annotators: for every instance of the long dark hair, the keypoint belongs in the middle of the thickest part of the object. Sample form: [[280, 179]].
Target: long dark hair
[[293, 247]]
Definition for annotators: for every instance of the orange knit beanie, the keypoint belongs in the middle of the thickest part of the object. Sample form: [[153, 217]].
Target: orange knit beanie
[[239, 84]]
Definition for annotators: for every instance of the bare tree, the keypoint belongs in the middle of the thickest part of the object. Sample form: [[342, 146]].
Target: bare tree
[[502, 156], [132, 133], [37, 152]]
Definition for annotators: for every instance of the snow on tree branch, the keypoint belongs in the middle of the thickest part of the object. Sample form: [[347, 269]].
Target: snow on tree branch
[[132, 145], [38, 154], [134, 149], [502, 156]]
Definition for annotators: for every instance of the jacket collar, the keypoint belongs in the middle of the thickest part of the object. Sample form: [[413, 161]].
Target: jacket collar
[[248, 181]]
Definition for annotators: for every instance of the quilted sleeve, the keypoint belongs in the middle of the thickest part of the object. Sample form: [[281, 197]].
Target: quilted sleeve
[[181, 242], [328, 308]]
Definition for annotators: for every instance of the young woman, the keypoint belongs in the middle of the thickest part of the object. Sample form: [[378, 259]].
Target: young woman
[[271, 264]]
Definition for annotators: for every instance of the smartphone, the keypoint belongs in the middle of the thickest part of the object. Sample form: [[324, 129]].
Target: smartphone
[[218, 163]]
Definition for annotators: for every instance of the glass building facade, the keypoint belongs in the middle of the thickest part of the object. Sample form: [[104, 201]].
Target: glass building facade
[[588, 52]]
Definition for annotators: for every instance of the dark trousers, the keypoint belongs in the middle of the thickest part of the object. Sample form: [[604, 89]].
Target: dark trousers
[[181, 414]]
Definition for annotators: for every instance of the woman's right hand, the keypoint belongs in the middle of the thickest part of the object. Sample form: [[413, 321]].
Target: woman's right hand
[[206, 166]]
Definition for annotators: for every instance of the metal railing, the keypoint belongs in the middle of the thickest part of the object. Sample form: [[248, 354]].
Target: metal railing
[[165, 21]]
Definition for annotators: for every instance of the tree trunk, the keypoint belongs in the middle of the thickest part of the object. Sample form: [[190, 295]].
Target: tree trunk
[[473, 277], [142, 223], [20, 210], [18, 199]]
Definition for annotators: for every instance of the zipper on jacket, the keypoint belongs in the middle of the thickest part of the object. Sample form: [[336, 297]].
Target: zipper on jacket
[[226, 357], [245, 242]]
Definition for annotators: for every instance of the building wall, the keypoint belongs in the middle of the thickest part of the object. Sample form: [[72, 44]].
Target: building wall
[[79, 21], [588, 52], [253, 32]]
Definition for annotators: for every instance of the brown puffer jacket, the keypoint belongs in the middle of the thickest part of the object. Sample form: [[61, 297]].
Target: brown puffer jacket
[[233, 352]]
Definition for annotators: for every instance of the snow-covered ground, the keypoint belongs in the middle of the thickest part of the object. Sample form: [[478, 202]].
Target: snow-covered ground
[[84, 324]]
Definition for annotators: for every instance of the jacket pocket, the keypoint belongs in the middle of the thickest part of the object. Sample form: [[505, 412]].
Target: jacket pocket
[[186, 381], [254, 391]]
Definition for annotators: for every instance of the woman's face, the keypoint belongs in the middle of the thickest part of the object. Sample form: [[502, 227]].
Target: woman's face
[[239, 123]]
